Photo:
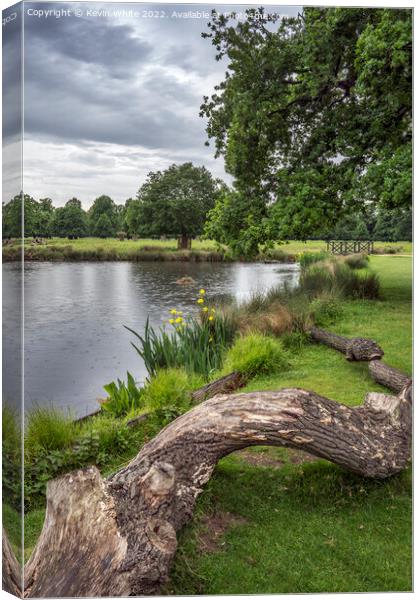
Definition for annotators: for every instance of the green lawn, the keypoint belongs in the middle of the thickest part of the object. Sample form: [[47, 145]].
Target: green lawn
[[289, 523], [297, 247], [311, 527], [128, 245]]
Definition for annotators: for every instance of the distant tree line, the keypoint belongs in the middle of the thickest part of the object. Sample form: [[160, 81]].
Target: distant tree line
[[172, 203], [154, 214]]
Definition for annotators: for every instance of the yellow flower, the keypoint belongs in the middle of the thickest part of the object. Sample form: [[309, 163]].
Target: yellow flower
[[200, 301], [173, 311], [179, 320], [213, 310], [202, 291], [205, 309], [171, 321], [211, 318]]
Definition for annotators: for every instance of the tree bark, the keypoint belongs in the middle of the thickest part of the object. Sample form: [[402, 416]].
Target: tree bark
[[353, 348], [223, 385], [118, 536], [184, 242], [12, 572], [388, 376]]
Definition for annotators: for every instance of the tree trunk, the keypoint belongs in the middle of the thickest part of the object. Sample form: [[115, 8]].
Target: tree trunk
[[392, 378], [118, 536], [184, 242], [353, 348], [12, 572]]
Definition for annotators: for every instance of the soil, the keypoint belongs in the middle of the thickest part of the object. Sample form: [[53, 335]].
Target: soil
[[211, 538]]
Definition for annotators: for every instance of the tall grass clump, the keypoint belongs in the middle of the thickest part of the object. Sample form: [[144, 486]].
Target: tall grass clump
[[265, 312], [168, 393], [256, 354], [48, 428], [338, 279], [357, 261], [197, 344]]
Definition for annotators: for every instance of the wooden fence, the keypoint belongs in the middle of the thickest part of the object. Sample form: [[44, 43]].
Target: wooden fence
[[350, 247]]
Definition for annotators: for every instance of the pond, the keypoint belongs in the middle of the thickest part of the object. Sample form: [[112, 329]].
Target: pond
[[75, 341]]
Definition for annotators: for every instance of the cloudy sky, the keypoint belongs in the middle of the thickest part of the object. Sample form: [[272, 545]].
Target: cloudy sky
[[112, 91]]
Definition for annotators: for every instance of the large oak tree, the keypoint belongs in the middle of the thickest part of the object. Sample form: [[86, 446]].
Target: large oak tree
[[313, 117]]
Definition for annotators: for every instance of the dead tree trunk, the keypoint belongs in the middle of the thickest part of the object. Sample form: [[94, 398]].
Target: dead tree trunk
[[118, 536], [12, 572], [223, 385], [390, 377], [353, 348]]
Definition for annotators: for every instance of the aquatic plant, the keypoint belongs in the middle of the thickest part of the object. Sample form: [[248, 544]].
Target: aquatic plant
[[122, 398], [196, 343]]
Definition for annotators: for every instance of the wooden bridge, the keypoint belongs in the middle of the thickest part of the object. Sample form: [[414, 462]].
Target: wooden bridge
[[350, 247]]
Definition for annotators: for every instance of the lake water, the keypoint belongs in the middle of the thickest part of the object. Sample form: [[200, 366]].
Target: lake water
[[75, 341]]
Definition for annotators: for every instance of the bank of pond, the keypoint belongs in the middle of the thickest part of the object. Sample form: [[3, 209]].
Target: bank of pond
[[152, 250], [265, 340]]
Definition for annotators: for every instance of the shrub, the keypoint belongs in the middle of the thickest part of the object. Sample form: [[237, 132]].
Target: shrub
[[168, 393], [11, 457], [356, 285], [122, 398], [357, 261], [256, 354], [338, 279], [48, 428], [316, 280], [101, 436]]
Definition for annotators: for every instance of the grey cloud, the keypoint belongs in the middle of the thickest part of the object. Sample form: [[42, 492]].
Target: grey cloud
[[107, 100], [93, 41]]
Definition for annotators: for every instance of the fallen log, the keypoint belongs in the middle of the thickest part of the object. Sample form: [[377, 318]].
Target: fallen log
[[353, 348], [117, 537], [223, 385], [388, 376]]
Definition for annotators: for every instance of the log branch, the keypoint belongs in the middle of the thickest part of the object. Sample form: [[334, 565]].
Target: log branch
[[353, 348], [223, 385], [388, 376], [118, 536]]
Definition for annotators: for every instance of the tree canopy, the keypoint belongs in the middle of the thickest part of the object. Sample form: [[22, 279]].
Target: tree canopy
[[175, 202], [313, 118], [69, 220]]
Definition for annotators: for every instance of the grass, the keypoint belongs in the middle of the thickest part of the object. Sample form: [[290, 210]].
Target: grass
[[297, 247], [254, 354], [309, 527], [98, 249], [47, 428], [313, 527]]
